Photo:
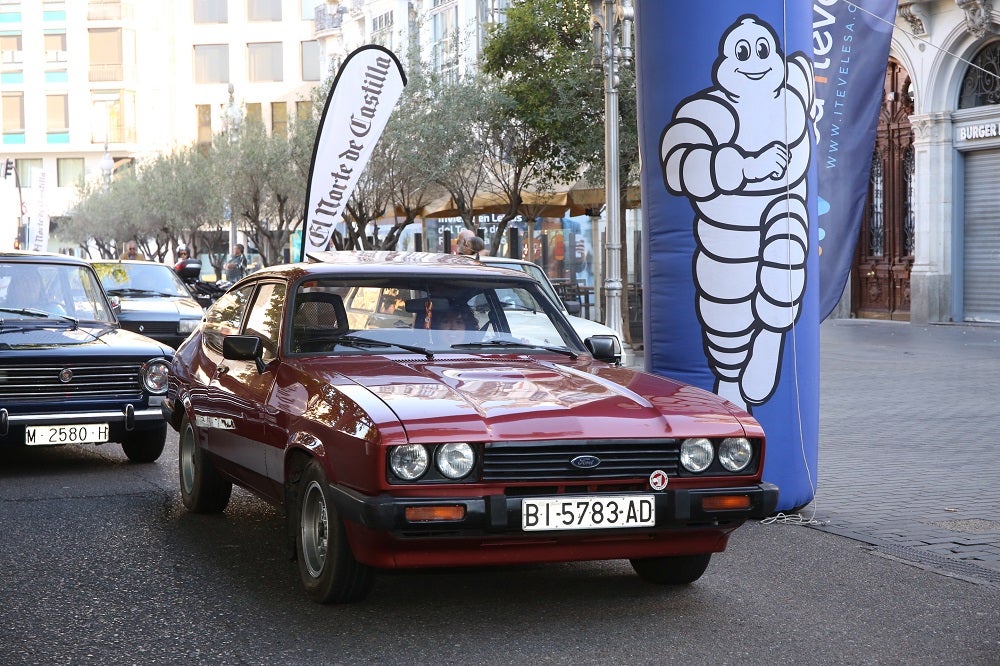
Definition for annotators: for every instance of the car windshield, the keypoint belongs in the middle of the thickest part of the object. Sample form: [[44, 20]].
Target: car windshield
[[438, 314], [42, 291], [140, 280]]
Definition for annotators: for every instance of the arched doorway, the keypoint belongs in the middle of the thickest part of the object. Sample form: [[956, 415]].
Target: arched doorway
[[881, 285]]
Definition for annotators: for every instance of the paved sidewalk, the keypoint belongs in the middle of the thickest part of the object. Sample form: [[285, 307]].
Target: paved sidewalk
[[910, 440]]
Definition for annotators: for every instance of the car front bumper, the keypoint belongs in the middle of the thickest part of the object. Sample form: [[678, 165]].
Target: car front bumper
[[490, 532], [501, 514], [126, 419]]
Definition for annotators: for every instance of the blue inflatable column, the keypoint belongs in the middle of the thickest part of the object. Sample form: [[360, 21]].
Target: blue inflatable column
[[726, 119]]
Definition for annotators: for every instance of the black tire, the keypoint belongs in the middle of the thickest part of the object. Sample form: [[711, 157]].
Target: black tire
[[203, 490], [145, 446], [676, 570], [330, 572]]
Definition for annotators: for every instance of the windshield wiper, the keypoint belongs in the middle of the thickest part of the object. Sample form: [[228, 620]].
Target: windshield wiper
[[41, 314], [511, 343], [361, 342], [131, 291]]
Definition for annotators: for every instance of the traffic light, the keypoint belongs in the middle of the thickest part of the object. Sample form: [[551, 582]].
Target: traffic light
[[8, 168]]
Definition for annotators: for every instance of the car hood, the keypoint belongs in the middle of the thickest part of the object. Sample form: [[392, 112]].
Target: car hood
[[166, 305], [65, 341], [486, 400]]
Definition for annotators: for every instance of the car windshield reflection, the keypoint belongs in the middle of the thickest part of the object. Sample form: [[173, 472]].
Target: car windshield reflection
[[41, 291], [140, 279], [425, 316]]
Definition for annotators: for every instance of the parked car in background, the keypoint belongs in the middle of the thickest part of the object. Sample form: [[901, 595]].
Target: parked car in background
[[423, 410], [69, 374], [584, 327], [154, 301]]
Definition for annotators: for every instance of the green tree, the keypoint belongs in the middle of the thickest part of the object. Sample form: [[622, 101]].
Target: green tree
[[259, 178], [542, 56]]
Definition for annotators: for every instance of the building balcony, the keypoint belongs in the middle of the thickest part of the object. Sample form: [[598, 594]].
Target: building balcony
[[110, 10], [102, 73]]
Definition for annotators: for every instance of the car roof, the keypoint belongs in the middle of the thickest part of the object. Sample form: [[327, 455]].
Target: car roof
[[490, 259], [134, 262], [21, 256], [350, 262]]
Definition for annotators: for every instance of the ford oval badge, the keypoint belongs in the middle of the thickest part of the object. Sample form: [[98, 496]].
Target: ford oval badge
[[585, 462]]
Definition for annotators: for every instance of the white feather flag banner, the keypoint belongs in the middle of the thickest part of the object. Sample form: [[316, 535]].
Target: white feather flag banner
[[362, 98]]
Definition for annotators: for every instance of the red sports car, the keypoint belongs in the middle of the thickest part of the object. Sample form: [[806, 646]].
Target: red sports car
[[422, 410]]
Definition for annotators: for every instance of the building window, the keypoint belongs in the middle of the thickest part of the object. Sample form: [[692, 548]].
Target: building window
[[493, 11], [13, 113], [979, 87], [303, 110], [204, 114], [254, 113], [382, 29], [56, 113], [444, 40], [279, 119], [211, 11], [27, 171], [876, 208], [70, 172], [211, 63], [909, 202], [382, 23], [55, 47], [264, 10], [264, 60], [10, 47], [106, 54], [113, 116], [309, 52], [307, 10]]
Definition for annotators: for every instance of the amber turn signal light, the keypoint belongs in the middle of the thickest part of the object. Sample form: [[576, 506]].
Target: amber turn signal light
[[725, 502], [423, 514]]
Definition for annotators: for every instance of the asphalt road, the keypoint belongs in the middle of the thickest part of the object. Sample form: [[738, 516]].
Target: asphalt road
[[101, 564]]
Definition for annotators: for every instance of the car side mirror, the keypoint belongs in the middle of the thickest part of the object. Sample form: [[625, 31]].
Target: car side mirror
[[116, 304], [244, 348], [573, 307], [605, 348]]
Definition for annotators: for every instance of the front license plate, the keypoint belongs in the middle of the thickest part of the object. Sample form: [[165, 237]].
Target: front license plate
[[587, 513], [53, 435]]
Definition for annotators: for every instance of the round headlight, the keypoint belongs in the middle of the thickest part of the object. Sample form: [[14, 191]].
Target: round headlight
[[155, 377], [455, 460], [409, 462], [735, 453], [696, 454]]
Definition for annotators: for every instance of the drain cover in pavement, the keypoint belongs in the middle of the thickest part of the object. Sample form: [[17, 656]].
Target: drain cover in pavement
[[971, 525]]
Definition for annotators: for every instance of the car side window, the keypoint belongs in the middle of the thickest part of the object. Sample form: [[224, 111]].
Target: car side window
[[225, 316], [264, 318]]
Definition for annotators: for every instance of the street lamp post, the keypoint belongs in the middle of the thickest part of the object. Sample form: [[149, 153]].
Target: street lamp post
[[611, 22], [107, 165], [232, 119]]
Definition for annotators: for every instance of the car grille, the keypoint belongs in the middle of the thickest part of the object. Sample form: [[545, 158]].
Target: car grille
[[552, 460], [38, 383], [151, 328]]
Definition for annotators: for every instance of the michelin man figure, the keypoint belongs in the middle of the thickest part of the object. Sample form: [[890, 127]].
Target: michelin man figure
[[740, 151]]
